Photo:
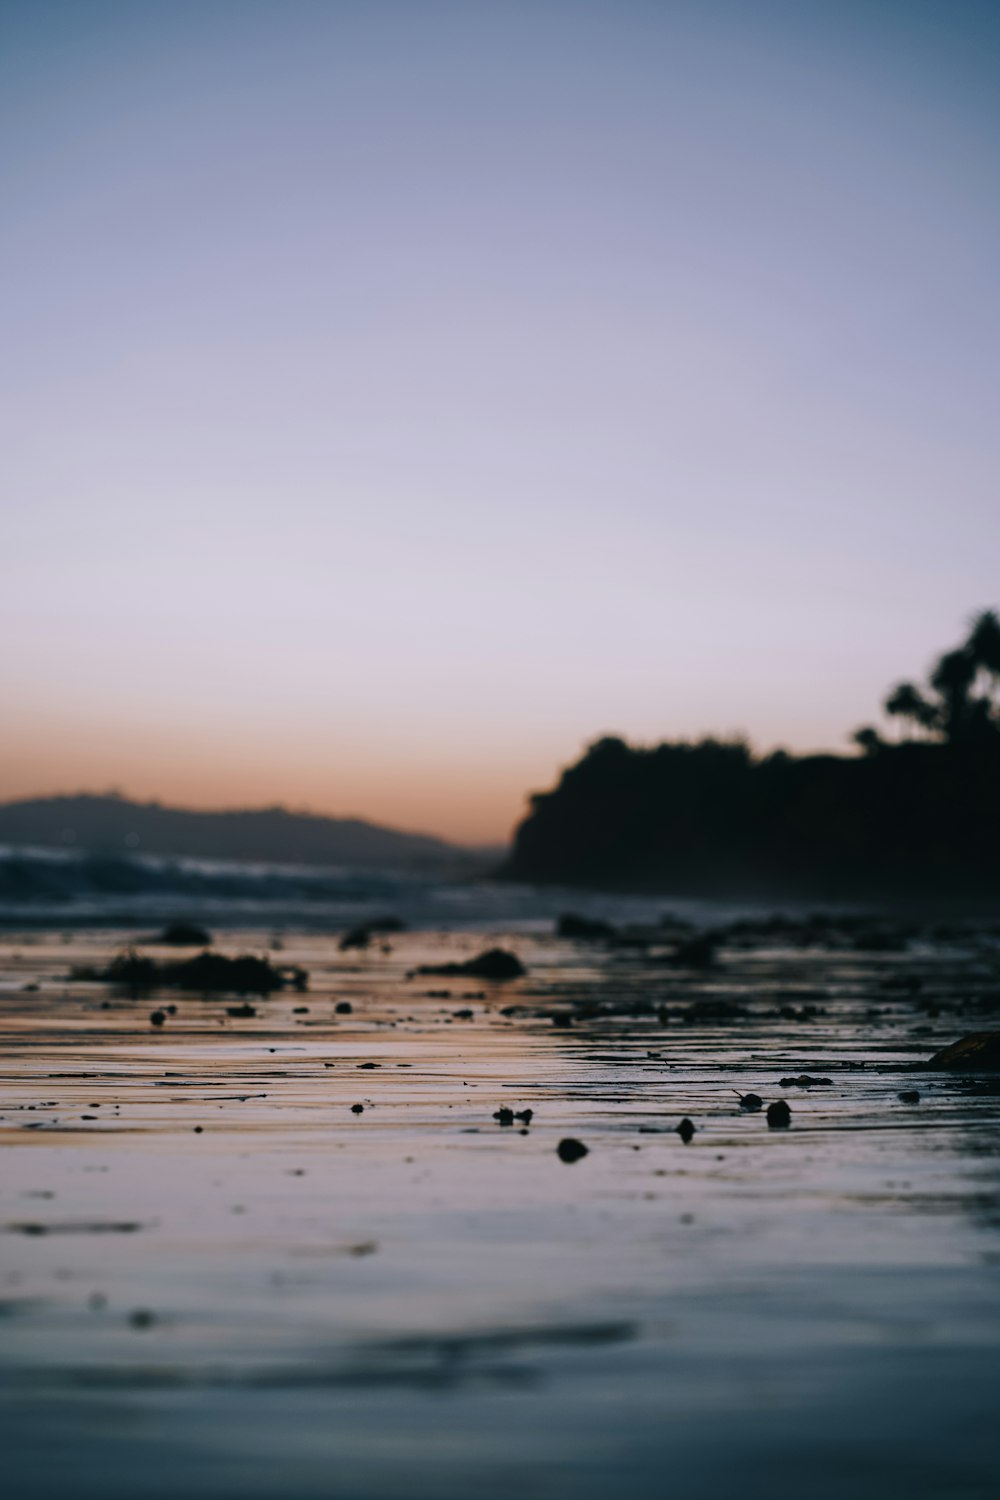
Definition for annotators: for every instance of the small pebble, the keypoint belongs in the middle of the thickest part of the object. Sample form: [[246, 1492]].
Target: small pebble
[[751, 1101], [157, 1018], [910, 1096], [343, 1008], [685, 1129], [569, 1150], [357, 1109], [779, 1115]]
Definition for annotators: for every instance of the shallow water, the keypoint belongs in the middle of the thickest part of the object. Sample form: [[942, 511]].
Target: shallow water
[[217, 1281]]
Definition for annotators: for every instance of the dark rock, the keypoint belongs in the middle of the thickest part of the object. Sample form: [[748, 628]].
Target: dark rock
[[803, 1081], [715, 1009], [686, 1129], [979, 1052], [504, 1116], [524, 1115], [909, 1096], [208, 973], [343, 1008], [386, 923], [241, 1012], [357, 1109], [698, 952], [751, 1101], [570, 925], [495, 963], [779, 1116], [184, 935], [358, 937], [157, 1018], [569, 1150]]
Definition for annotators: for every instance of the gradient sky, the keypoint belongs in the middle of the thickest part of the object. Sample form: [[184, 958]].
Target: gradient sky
[[395, 396]]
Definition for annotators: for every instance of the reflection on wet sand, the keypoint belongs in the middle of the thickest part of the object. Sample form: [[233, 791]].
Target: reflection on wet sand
[[304, 1251]]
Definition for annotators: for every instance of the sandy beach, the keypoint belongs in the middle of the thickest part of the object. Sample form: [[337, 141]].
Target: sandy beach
[[219, 1279]]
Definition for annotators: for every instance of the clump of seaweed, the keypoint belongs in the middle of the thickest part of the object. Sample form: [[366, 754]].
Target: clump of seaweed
[[209, 973]]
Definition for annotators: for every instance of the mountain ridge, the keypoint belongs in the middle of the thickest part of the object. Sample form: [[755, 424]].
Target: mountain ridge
[[110, 823]]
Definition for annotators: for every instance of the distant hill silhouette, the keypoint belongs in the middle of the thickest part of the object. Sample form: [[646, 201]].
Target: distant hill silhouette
[[917, 818], [111, 824]]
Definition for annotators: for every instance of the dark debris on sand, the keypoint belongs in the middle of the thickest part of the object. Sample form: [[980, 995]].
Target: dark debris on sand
[[184, 935], [209, 973], [570, 1150], [495, 963], [979, 1052]]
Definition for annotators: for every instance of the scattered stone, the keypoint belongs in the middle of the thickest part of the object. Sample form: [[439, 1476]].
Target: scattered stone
[[504, 1116], [751, 1101], [570, 1150], [524, 1115], [803, 1081], [157, 1018], [686, 1129], [779, 1115], [909, 1096], [241, 1012], [343, 1008], [357, 1109]]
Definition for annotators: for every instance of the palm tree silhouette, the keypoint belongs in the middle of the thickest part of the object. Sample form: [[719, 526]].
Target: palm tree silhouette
[[984, 645], [952, 677], [907, 702]]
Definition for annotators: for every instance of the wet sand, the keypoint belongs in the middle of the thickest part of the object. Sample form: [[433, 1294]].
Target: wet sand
[[217, 1280]]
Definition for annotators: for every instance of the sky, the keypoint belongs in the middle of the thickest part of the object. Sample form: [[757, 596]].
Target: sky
[[395, 397]]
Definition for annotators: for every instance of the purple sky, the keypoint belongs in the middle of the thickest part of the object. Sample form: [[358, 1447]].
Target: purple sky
[[396, 396]]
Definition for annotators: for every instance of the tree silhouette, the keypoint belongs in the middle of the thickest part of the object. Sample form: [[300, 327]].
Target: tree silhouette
[[950, 708], [868, 739], [907, 702]]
